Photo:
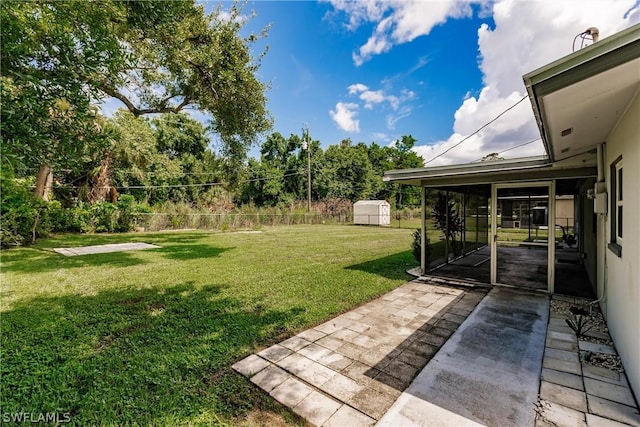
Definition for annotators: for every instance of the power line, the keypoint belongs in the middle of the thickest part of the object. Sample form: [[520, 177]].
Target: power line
[[205, 184], [512, 148], [477, 131]]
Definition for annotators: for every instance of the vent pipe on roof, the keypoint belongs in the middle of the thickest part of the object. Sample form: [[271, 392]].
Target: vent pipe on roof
[[591, 34], [594, 33]]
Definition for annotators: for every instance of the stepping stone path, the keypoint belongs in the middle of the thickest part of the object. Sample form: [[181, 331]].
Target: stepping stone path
[[575, 393], [351, 369]]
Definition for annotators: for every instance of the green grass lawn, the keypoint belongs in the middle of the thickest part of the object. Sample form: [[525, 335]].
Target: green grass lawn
[[148, 337]]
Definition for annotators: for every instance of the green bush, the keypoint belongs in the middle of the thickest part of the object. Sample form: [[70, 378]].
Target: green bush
[[19, 212], [105, 217], [53, 217], [125, 221], [416, 246], [23, 217], [79, 219]]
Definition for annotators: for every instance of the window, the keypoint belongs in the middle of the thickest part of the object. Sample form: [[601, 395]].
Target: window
[[617, 205]]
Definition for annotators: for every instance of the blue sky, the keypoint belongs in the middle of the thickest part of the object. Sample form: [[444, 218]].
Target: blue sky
[[374, 70], [413, 89]]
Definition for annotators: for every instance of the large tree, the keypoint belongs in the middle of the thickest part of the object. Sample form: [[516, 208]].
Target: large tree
[[347, 172], [59, 57], [277, 177]]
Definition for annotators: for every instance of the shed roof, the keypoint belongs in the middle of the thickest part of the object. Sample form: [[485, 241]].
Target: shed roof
[[371, 202]]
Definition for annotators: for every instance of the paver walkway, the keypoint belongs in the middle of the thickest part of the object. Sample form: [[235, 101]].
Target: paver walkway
[[351, 369], [487, 373], [575, 393], [102, 249]]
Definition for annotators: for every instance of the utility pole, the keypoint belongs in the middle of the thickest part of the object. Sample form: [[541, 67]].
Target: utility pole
[[306, 144]]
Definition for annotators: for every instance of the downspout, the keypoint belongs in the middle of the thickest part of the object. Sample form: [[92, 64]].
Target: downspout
[[600, 159], [601, 187]]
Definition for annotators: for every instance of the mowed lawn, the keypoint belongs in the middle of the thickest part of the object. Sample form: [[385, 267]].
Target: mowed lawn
[[148, 337]]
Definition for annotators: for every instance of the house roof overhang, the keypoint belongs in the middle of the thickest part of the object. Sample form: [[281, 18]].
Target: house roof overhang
[[578, 100]]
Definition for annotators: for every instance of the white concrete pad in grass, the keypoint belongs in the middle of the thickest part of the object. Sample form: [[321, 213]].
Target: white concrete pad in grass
[[103, 249]]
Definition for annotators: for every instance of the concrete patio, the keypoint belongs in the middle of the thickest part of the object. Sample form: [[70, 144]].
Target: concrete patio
[[431, 354], [351, 369]]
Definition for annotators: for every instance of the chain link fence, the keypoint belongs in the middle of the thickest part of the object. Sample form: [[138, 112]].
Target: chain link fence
[[243, 221]]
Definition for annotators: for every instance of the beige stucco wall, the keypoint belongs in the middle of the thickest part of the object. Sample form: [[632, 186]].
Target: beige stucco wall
[[620, 278]]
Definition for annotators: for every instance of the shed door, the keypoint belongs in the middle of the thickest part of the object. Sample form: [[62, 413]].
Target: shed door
[[385, 214]]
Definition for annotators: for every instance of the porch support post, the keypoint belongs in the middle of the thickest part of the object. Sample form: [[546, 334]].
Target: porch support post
[[551, 239], [494, 231], [464, 224], [477, 215], [423, 231], [446, 227]]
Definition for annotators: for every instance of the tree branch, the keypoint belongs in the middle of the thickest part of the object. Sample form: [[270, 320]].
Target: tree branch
[[137, 112]]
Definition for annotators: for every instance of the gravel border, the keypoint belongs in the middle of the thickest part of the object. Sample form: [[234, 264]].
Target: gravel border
[[598, 332]]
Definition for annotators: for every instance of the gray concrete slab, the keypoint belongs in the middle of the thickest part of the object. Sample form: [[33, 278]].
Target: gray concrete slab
[[102, 249], [487, 373]]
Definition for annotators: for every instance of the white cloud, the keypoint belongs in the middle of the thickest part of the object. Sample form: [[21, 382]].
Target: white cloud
[[397, 21], [357, 88], [227, 16], [345, 116], [394, 117], [360, 11], [373, 97], [526, 35], [382, 137]]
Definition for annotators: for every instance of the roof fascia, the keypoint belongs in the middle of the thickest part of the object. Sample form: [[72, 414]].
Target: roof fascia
[[466, 168], [526, 175]]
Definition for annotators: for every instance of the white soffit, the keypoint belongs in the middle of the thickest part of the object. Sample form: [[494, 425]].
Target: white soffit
[[587, 111]]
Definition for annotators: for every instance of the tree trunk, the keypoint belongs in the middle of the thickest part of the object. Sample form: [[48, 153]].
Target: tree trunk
[[100, 190], [44, 182]]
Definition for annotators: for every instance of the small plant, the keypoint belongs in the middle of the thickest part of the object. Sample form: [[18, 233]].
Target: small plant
[[580, 321], [416, 246]]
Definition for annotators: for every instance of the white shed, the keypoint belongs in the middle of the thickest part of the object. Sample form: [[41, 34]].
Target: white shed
[[371, 212]]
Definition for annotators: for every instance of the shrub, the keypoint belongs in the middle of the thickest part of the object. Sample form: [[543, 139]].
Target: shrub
[[19, 212], [53, 217], [580, 321], [126, 214], [105, 217], [416, 246], [79, 219]]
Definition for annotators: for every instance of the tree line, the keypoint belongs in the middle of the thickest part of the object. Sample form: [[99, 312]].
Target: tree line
[[150, 162], [170, 158], [60, 60]]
